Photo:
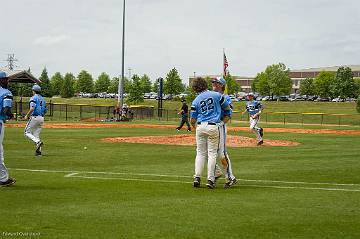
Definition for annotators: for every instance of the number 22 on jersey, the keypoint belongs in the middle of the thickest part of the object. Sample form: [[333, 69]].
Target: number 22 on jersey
[[207, 105]]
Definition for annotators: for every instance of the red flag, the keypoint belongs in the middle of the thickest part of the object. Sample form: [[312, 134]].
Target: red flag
[[226, 64]]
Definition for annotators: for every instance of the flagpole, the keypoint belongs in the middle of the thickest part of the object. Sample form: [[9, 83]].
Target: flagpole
[[223, 63], [121, 81]]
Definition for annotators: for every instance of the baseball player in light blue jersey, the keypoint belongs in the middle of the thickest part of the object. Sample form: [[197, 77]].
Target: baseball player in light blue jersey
[[206, 115], [35, 116], [218, 85], [254, 109], [5, 113]]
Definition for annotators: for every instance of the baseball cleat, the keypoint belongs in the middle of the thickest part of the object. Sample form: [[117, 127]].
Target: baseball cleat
[[37, 153], [230, 183], [210, 184], [261, 132], [38, 146], [260, 143], [8, 182], [196, 182]]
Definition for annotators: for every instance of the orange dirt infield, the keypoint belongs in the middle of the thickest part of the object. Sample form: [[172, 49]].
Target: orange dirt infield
[[189, 140], [150, 126]]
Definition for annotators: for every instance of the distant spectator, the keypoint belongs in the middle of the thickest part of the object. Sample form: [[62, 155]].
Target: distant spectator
[[184, 112]]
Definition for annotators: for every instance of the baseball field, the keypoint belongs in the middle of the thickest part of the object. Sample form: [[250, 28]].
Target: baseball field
[[86, 187]]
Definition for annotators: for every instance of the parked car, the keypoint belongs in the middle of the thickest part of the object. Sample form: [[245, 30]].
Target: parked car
[[266, 98], [323, 99], [284, 98], [350, 100], [337, 99], [299, 98]]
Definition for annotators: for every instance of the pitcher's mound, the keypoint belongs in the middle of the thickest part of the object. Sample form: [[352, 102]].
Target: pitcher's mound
[[189, 140]]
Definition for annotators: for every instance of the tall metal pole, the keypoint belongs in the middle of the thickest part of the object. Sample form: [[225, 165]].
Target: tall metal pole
[[121, 81]]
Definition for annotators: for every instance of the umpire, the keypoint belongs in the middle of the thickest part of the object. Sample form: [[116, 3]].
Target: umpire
[[184, 112]]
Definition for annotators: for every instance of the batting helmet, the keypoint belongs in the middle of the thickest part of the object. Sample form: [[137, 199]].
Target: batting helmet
[[4, 80], [3, 74], [219, 80], [36, 88]]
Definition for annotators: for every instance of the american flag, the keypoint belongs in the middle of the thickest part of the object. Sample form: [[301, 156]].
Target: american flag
[[226, 64]]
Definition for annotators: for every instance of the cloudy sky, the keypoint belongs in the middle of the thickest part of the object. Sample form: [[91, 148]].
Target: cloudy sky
[[69, 36]]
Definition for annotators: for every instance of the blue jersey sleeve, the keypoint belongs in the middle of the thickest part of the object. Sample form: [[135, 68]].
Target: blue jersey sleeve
[[7, 102], [32, 102], [193, 112], [224, 105]]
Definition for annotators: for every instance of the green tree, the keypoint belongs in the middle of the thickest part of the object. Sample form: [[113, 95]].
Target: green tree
[[231, 85], [323, 83], [114, 85], [254, 84], [67, 89], [358, 104], [357, 82], [274, 81], [127, 85], [155, 86], [102, 83], [173, 84], [209, 82], [20, 89], [84, 82], [344, 85], [262, 84], [307, 86], [56, 83], [145, 84], [279, 79], [192, 94], [45, 84], [136, 94]]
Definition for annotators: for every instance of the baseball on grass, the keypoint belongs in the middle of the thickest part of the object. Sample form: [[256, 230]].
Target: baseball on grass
[[85, 147]]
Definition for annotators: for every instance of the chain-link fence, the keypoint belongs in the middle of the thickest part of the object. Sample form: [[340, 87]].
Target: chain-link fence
[[304, 118], [82, 112]]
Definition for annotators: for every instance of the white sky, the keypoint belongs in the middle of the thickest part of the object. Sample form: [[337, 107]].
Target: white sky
[[69, 36]]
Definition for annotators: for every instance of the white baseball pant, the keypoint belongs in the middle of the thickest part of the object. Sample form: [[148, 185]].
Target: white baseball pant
[[254, 128], [4, 174], [33, 128], [223, 156], [207, 142]]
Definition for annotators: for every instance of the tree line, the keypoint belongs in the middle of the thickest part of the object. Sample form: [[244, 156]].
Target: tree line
[[275, 80], [67, 85], [332, 84]]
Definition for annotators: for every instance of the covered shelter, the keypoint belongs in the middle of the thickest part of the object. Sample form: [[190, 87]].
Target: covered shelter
[[20, 76]]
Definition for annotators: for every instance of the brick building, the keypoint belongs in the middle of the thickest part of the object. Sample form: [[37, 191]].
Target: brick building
[[295, 75]]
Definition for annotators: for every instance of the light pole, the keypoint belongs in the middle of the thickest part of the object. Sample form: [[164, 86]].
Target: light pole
[[121, 81]]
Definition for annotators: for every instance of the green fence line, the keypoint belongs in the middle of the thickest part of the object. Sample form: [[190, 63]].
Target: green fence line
[[78, 112], [305, 118]]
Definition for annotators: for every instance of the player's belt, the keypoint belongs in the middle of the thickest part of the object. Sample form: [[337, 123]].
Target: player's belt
[[209, 123]]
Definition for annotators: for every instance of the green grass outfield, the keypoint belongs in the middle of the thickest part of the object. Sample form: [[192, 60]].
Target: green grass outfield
[[122, 190]]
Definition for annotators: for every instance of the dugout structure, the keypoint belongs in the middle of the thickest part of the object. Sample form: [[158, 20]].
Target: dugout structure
[[20, 76]]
